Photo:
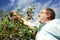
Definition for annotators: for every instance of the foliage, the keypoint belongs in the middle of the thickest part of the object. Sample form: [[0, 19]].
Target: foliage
[[13, 28]]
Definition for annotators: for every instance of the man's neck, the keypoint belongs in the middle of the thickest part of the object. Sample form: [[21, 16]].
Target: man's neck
[[47, 20]]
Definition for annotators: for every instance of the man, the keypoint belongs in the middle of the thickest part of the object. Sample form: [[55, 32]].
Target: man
[[50, 31]]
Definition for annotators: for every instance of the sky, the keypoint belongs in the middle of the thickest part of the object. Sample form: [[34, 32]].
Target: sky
[[7, 5]]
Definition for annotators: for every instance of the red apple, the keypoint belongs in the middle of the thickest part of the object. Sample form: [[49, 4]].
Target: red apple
[[15, 18], [5, 27], [5, 39], [16, 28], [34, 33]]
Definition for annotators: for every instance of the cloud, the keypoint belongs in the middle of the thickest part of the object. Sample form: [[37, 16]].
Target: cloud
[[57, 11], [8, 5], [21, 3], [47, 4], [56, 8], [12, 0]]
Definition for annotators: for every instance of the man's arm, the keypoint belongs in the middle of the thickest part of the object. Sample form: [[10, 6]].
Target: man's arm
[[30, 25]]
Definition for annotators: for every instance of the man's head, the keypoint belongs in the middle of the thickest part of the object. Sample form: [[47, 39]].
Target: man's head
[[46, 15]]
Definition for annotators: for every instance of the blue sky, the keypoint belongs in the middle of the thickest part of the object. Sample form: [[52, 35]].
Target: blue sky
[[7, 5]]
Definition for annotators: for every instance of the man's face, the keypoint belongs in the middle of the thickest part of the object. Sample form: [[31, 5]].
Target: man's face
[[43, 16]]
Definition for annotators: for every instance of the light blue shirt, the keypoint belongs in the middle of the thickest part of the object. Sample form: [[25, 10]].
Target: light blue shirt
[[52, 27]]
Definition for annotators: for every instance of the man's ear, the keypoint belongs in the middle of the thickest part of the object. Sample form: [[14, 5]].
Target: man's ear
[[48, 15]]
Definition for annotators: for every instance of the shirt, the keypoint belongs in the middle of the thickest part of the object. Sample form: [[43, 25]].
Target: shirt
[[40, 26], [51, 27]]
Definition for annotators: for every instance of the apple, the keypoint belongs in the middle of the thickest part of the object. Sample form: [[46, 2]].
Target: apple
[[5, 27], [15, 18], [34, 33], [16, 28]]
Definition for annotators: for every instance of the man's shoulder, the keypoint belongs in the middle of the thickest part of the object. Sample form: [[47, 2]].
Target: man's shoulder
[[52, 24]]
